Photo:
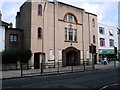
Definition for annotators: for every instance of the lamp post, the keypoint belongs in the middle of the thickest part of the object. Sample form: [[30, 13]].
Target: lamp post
[[118, 42], [43, 38]]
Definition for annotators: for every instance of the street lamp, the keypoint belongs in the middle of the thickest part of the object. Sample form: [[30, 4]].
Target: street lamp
[[118, 41], [43, 38]]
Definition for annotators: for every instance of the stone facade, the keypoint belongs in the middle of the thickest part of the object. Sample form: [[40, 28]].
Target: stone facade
[[56, 43]]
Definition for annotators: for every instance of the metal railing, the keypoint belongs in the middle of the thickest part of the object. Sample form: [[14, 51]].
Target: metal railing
[[50, 68]]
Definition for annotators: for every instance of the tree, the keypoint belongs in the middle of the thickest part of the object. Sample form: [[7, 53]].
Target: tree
[[12, 56]]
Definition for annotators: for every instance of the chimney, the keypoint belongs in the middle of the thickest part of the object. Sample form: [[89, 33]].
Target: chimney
[[0, 16], [11, 25]]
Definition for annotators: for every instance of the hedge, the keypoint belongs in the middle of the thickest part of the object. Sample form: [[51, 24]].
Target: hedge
[[12, 56]]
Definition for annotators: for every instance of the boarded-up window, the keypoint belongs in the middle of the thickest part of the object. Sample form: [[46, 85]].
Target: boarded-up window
[[51, 56], [60, 54]]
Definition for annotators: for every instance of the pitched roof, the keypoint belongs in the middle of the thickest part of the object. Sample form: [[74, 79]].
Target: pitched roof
[[2, 23]]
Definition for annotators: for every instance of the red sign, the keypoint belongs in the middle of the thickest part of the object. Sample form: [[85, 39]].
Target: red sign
[[70, 25]]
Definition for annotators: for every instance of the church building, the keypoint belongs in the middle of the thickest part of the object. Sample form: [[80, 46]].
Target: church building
[[58, 31]]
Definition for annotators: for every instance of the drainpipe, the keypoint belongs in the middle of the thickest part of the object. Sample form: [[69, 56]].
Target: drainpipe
[[83, 39], [89, 34]]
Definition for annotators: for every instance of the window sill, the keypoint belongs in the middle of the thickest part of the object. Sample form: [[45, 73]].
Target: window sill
[[72, 41], [111, 46], [102, 33], [70, 22], [39, 14], [102, 46], [39, 38], [13, 43]]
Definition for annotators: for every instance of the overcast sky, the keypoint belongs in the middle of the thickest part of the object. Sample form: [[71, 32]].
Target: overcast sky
[[106, 10]]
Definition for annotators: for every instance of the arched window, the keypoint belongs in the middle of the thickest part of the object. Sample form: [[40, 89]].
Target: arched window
[[39, 32], [70, 17], [39, 9], [93, 22], [93, 38]]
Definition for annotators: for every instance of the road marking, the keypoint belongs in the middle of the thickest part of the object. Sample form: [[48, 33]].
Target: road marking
[[108, 86], [103, 87]]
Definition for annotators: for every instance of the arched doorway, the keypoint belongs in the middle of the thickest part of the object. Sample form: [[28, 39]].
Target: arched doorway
[[71, 56]]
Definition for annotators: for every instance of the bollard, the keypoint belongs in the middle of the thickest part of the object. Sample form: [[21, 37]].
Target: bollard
[[72, 68], [41, 68], [84, 65], [21, 69], [58, 68], [114, 62], [27, 66]]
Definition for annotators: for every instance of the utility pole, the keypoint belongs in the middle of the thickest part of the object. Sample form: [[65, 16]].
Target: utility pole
[[115, 57], [54, 30], [43, 55]]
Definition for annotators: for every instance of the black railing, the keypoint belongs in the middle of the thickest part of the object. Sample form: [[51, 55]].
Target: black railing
[[48, 68]]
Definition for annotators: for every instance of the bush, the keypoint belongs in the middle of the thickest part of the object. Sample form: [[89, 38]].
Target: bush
[[12, 56]]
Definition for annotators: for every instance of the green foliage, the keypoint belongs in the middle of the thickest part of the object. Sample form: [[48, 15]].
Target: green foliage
[[12, 56]]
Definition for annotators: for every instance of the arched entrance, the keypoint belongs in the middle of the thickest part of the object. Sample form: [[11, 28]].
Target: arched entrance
[[71, 56]]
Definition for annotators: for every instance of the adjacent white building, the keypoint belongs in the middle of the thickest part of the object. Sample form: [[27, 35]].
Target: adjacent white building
[[2, 38], [3, 25], [107, 39]]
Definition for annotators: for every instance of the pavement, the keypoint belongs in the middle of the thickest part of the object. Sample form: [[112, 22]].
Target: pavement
[[11, 74]]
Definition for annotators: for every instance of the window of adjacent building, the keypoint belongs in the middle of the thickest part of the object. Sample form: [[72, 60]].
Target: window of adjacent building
[[102, 42], [93, 22], [101, 30], [110, 32], [40, 9], [111, 42], [39, 32], [93, 38], [13, 38]]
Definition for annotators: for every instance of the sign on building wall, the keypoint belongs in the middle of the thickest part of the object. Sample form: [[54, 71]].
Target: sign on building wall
[[87, 56], [51, 55], [59, 54]]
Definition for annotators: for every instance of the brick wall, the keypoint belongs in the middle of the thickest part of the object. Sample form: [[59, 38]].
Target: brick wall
[[20, 39]]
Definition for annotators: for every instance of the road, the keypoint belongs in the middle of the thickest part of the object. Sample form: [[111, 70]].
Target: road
[[89, 79]]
